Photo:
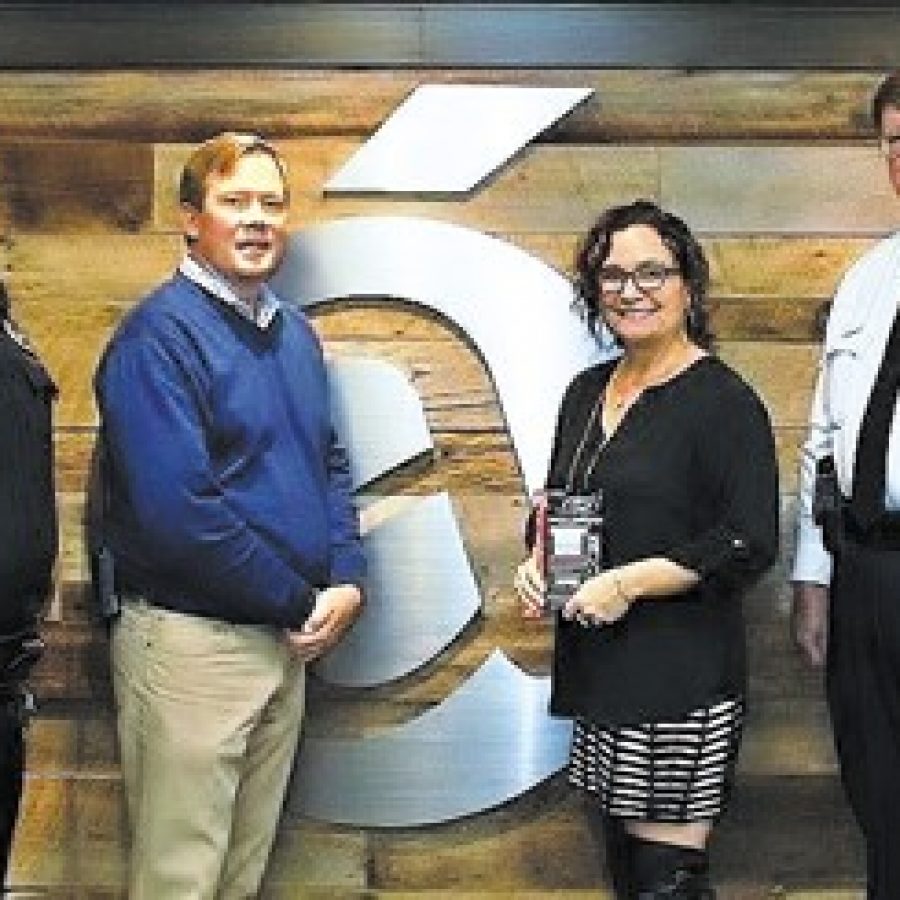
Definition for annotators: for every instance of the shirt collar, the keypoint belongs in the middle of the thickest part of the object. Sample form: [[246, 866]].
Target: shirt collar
[[213, 283]]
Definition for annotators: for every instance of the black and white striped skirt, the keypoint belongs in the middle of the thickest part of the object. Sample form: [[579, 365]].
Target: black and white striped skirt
[[663, 771]]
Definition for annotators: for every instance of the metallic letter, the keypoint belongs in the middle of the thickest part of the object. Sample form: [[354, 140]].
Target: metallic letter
[[366, 393], [446, 138], [489, 742], [513, 307], [421, 594]]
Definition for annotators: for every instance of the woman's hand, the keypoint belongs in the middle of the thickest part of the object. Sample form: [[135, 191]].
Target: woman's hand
[[531, 588], [599, 601]]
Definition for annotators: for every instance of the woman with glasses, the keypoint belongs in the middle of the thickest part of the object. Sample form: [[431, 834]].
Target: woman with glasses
[[649, 653]]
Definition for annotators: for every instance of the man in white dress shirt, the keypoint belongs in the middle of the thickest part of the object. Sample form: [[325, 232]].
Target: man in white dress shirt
[[846, 573]]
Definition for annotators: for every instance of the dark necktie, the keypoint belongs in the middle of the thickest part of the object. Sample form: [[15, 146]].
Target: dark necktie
[[869, 475]]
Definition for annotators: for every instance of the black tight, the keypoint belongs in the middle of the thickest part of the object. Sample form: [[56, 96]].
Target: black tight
[[649, 870], [666, 870]]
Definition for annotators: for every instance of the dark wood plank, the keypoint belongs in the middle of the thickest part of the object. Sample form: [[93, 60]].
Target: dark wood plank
[[75, 185]]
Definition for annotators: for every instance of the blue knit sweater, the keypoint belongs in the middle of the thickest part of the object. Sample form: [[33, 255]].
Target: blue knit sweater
[[227, 493]]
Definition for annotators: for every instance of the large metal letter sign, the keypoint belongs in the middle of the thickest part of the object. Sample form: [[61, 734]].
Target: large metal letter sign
[[421, 590], [426, 771], [505, 301], [509, 303], [446, 138]]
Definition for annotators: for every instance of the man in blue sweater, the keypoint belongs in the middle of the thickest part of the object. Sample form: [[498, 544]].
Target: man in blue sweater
[[229, 517]]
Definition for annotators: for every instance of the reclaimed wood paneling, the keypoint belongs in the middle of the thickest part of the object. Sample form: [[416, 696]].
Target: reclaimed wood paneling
[[451, 380], [723, 188], [116, 267], [780, 189], [109, 269], [626, 106], [70, 834], [84, 185], [552, 188], [775, 172]]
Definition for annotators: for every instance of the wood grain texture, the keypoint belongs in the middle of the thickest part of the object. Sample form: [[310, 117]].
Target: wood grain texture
[[66, 185], [456, 391], [549, 188], [800, 190], [723, 188], [117, 267], [627, 105], [775, 172]]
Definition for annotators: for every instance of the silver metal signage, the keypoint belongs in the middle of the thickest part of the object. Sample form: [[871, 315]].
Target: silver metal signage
[[488, 742], [446, 138], [361, 391], [516, 311], [512, 306], [420, 594]]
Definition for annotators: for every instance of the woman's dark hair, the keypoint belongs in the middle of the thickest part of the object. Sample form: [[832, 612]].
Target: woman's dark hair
[[688, 254], [887, 94]]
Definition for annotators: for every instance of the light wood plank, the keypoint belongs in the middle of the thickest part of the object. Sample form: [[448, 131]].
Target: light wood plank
[[782, 189], [310, 857], [783, 375], [85, 269], [789, 267], [70, 833]]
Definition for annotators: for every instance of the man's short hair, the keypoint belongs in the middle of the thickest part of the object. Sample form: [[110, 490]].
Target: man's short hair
[[887, 95], [219, 156]]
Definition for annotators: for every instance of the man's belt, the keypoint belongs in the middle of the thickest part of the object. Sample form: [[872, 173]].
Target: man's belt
[[882, 534], [16, 704], [18, 654]]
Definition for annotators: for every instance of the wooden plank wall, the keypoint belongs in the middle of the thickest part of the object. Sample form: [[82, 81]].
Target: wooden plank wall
[[774, 170]]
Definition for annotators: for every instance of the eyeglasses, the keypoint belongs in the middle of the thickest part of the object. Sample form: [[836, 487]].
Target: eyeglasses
[[889, 146], [648, 277]]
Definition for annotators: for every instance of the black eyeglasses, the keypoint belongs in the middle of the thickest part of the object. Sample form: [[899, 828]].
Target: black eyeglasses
[[647, 277], [889, 145]]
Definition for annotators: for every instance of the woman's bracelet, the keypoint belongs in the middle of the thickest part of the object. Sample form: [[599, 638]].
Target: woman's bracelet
[[620, 591]]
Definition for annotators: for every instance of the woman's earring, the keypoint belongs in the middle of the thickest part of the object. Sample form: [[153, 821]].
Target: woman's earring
[[690, 320]]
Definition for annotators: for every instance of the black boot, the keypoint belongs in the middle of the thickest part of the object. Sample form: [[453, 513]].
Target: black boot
[[618, 857], [669, 872]]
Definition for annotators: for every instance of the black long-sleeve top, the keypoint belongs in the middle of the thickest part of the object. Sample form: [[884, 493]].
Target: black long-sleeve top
[[690, 474], [28, 533]]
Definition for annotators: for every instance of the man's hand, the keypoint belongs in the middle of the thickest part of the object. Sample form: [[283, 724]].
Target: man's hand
[[336, 609], [809, 621]]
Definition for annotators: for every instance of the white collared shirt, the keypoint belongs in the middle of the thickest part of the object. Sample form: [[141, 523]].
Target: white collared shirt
[[213, 283], [858, 328]]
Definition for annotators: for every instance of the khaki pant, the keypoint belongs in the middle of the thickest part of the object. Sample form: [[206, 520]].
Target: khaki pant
[[209, 716]]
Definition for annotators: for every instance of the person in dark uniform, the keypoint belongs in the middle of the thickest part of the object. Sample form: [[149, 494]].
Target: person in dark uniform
[[649, 657], [28, 545], [846, 575]]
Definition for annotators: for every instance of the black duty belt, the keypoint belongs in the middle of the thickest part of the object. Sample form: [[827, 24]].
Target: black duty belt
[[16, 704], [883, 534]]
